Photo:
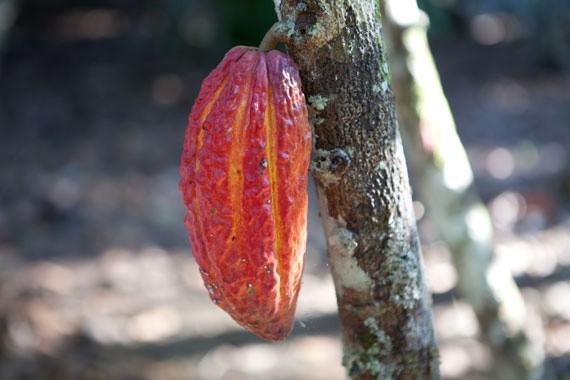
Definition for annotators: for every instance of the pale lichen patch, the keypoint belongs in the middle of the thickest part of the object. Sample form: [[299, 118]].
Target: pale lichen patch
[[382, 88], [301, 7], [344, 241], [371, 359], [318, 102], [342, 244], [286, 28], [319, 121]]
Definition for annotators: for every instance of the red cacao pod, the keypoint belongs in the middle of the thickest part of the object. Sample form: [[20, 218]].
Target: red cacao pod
[[244, 183]]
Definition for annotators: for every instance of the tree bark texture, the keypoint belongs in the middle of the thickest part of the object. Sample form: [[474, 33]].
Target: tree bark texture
[[444, 180], [362, 184]]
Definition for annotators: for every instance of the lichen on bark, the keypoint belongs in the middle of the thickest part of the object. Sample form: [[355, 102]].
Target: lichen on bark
[[366, 208]]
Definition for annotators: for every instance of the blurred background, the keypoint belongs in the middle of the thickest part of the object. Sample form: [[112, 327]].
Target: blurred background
[[97, 280]]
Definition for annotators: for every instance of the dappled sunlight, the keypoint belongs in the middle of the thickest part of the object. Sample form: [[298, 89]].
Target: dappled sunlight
[[507, 95], [154, 325], [126, 298], [559, 341], [318, 357], [455, 321], [507, 209], [133, 298], [459, 359], [92, 24], [404, 12], [198, 27], [167, 89], [54, 278], [97, 278], [500, 163], [419, 210], [441, 275], [532, 256], [522, 161], [494, 28], [317, 296], [557, 299]]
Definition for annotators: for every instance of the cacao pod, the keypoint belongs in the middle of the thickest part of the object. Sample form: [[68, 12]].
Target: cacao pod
[[244, 183]]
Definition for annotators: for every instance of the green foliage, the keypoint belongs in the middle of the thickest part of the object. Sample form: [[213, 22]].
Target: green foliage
[[246, 21], [443, 19]]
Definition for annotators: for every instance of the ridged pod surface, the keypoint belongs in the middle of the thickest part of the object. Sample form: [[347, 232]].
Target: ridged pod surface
[[244, 183]]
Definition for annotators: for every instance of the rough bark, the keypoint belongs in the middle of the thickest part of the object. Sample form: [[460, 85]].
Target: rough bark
[[444, 180], [363, 189]]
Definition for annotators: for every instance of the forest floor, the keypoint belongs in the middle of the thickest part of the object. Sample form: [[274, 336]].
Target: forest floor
[[97, 280]]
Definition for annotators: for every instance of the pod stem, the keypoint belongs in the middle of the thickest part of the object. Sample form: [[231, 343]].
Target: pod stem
[[275, 35]]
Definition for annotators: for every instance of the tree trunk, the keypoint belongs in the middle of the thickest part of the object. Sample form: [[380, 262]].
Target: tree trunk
[[363, 189], [445, 183]]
